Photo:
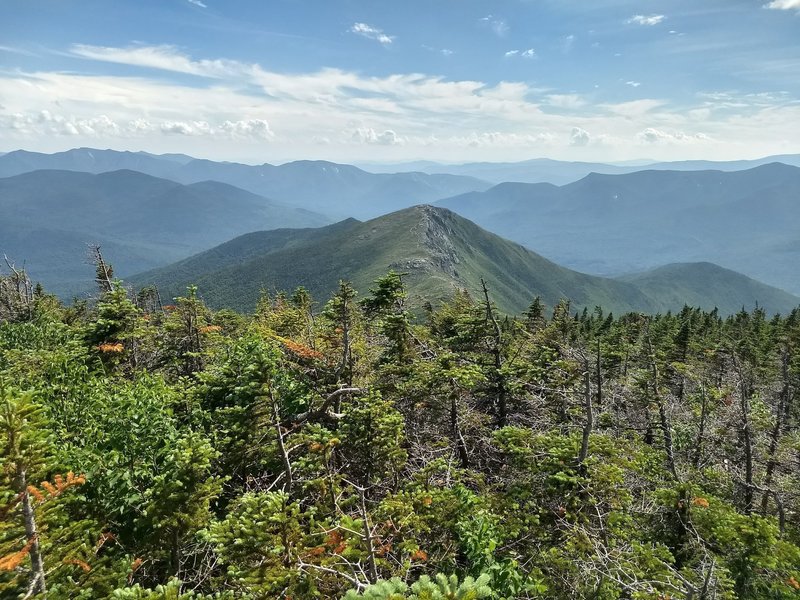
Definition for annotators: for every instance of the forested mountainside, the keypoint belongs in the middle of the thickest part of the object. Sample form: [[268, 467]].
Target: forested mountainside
[[333, 189], [49, 218], [745, 220], [439, 253], [353, 450]]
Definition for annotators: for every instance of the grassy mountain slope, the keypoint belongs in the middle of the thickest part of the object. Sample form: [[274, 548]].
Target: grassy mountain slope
[[439, 251], [747, 221], [696, 283], [141, 221]]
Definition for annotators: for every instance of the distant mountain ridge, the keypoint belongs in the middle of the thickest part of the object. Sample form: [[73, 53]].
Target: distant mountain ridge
[[748, 221], [440, 252], [325, 187], [49, 217], [558, 172]]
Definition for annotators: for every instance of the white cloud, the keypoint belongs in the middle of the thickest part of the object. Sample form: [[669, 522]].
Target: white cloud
[[656, 136], [14, 50], [783, 5], [197, 3], [529, 53], [251, 128], [498, 26], [372, 33], [635, 108], [367, 135], [648, 19], [164, 57], [579, 137], [47, 123], [633, 84], [565, 100], [442, 51], [239, 111]]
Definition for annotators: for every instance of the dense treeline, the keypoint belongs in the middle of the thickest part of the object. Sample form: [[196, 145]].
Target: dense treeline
[[356, 450]]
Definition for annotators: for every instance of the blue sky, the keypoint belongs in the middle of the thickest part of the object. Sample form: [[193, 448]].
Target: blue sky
[[450, 80]]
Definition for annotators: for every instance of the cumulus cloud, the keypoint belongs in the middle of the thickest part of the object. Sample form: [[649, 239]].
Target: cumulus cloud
[[367, 135], [499, 139], [46, 122], [579, 137], [657, 136], [372, 33], [648, 19], [783, 5], [246, 129], [633, 84], [252, 128]]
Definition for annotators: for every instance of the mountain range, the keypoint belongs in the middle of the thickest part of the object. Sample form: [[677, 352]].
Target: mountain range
[[748, 221], [604, 224], [557, 172], [320, 186], [49, 217], [440, 252]]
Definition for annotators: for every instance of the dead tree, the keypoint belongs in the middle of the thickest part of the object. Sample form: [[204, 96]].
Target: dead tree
[[16, 294], [104, 272]]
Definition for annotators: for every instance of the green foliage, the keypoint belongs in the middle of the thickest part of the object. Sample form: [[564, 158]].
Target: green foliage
[[440, 587], [354, 453], [260, 536]]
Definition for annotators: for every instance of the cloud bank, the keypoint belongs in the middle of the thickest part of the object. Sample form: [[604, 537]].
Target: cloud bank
[[236, 110]]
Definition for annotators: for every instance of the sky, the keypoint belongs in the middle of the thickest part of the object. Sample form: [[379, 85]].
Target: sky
[[386, 80]]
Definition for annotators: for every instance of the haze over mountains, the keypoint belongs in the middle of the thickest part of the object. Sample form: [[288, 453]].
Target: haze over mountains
[[545, 170], [748, 221], [140, 221], [149, 211], [440, 252], [321, 186]]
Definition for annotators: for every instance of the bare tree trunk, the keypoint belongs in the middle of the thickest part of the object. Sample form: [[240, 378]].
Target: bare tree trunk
[[458, 438], [747, 436], [496, 351], [103, 271], [37, 584], [775, 435], [701, 428], [599, 376], [287, 464], [588, 409], [368, 540], [666, 427], [345, 364]]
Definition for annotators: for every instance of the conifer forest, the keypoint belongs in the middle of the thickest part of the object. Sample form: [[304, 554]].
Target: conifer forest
[[360, 447]]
